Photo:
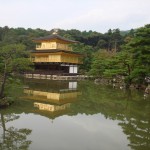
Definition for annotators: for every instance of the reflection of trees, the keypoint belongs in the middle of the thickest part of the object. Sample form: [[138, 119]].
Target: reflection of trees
[[138, 133], [101, 99], [136, 126], [125, 106], [13, 138]]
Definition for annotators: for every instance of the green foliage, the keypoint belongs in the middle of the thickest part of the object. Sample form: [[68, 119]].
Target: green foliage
[[86, 51], [13, 89], [100, 62], [113, 39], [13, 138], [120, 64], [132, 61], [140, 48], [13, 59]]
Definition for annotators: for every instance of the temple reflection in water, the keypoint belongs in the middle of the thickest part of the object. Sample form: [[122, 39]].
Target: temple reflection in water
[[51, 108], [52, 96]]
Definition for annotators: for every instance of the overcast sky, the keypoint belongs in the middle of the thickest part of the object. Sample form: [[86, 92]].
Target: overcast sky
[[96, 15]]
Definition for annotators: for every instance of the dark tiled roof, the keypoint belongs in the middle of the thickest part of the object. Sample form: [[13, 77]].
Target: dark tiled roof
[[54, 36], [54, 51]]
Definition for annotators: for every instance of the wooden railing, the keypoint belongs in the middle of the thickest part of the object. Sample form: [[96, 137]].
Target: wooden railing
[[57, 59], [51, 72]]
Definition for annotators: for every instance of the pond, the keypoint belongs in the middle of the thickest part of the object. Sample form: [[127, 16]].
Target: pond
[[70, 115]]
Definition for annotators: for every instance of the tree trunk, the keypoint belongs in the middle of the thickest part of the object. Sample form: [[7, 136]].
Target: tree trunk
[[3, 125], [129, 69], [3, 83], [3, 86], [109, 46], [128, 83], [115, 46]]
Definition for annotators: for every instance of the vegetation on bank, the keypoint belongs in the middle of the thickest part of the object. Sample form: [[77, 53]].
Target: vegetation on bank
[[13, 59], [132, 61], [111, 54]]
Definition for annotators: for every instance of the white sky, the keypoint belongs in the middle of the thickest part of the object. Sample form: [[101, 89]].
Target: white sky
[[96, 15]]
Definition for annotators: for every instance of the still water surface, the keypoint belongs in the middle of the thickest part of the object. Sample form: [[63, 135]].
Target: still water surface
[[64, 115]]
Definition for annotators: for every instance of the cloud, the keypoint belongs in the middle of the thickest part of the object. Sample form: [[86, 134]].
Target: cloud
[[98, 15], [117, 14]]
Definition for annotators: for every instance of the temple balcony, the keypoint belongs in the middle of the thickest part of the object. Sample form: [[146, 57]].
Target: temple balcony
[[57, 58]]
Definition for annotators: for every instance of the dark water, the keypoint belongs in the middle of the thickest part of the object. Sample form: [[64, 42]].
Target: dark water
[[63, 115]]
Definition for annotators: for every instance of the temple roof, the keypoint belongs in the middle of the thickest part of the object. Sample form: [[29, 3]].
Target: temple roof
[[53, 37], [54, 51]]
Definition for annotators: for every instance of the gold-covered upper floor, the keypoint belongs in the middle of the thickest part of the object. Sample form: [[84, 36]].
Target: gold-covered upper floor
[[53, 45], [54, 48], [53, 42], [60, 57]]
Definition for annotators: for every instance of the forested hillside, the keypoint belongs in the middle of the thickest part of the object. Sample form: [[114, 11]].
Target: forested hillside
[[110, 40]]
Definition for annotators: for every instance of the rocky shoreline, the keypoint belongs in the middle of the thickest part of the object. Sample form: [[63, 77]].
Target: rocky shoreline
[[119, 83]]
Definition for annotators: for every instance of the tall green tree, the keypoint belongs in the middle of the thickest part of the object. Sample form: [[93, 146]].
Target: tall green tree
[[117, 39], [13, 58], [13, 138], [100, 63], [140, 48]]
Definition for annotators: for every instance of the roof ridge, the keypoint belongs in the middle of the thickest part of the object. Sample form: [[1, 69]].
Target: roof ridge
[[54, 36]]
